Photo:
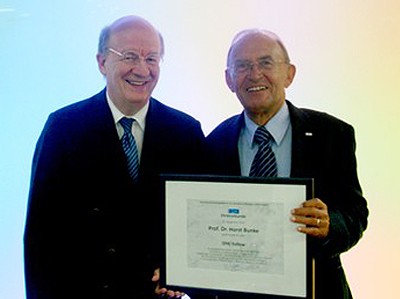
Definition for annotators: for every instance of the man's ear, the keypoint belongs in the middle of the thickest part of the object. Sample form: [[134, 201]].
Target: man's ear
[[101, 59], [229, 80], [290, 75]]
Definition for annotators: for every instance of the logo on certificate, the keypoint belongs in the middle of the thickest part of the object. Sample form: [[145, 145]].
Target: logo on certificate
[[233, 211]]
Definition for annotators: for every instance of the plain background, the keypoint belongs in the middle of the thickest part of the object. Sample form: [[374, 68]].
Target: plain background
[[348, 64]]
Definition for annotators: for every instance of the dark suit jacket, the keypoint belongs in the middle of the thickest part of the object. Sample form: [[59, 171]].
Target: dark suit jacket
[[90, 232], [328, 156]]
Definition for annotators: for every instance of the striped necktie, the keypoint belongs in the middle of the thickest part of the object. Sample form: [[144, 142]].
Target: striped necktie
[[264, 163], [130, 149]]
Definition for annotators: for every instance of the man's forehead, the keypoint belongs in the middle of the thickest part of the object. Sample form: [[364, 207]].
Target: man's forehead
[[256, 46], [135, 38], [254, 51]]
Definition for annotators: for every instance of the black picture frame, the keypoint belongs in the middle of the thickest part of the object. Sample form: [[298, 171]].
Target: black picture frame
[[177, 271]]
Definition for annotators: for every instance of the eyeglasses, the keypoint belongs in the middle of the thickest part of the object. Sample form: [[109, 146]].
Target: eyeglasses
[[132, 58], [263, 64]]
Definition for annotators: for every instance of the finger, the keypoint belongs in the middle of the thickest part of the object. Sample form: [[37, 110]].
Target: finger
[[307, 221], [315, 227], [318, 222], [314, 202], [174, 294], [311, 231], [311, 211], [308, 213], [156, 275]]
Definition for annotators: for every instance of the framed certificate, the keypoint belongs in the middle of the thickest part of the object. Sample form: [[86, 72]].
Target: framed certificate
[[228, 234]]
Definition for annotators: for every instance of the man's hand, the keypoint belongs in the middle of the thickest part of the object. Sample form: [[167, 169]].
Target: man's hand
[[313, 213], [163, 292]]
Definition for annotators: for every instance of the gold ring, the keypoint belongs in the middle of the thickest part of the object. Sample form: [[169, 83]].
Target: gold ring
[[318, 221]]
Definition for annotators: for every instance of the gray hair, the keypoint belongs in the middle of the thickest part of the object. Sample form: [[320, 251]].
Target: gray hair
[[105, 37], [256, 31]]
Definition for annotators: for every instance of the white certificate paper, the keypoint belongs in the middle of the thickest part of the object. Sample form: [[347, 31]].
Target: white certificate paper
[[235, 235]]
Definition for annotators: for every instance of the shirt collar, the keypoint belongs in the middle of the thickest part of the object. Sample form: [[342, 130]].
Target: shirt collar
[[276, 126], [140, 116]]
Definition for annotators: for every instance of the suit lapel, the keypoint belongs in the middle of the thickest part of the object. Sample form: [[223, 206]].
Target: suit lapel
[[105, 136], [152, 137], [302, 142], [231, 149]]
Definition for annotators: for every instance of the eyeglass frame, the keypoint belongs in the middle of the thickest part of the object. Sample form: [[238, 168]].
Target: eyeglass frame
[[136, 60], [263, 64]]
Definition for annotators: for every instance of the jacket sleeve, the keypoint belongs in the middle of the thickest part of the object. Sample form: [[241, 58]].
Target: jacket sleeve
[[340, 189], [38, 236]]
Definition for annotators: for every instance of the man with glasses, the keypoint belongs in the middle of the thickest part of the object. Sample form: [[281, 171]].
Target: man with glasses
[[302, 143], [93, 227]]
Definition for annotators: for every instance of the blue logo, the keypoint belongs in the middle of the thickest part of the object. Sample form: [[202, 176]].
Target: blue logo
[[233, 211]]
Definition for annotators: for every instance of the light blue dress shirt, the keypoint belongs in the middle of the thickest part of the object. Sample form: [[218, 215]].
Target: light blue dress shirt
[[281, 129]]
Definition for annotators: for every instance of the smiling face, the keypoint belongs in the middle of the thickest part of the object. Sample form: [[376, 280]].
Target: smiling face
[[258, 72], [130, 84]]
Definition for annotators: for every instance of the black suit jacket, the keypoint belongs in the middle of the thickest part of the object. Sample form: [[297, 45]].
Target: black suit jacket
[[323, 148], [90, 232]]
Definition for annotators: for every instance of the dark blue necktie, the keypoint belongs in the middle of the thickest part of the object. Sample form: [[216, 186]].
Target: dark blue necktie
[[130, 149], [264, 163]]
